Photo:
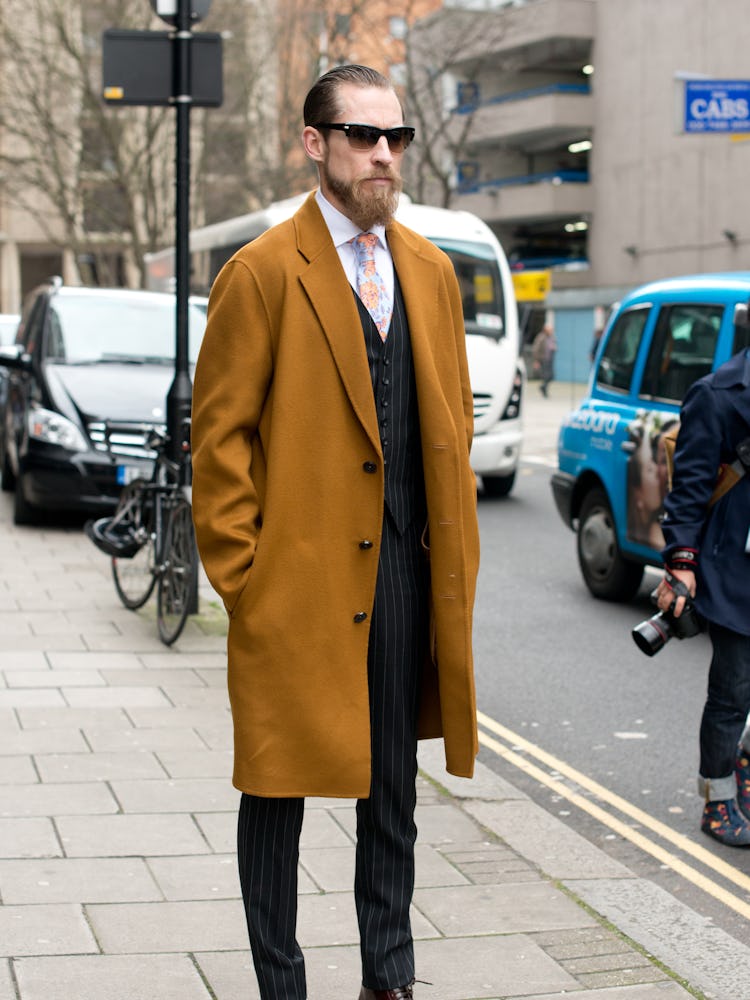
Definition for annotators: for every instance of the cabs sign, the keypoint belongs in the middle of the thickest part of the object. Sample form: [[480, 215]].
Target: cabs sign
[[717, 106], [531, 286]]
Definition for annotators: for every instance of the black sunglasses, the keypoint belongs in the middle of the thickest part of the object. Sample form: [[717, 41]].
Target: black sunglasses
[[368, 136]]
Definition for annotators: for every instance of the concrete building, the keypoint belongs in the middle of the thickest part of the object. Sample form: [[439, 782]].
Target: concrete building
[[577, 155], [579, 159], [78, 200]]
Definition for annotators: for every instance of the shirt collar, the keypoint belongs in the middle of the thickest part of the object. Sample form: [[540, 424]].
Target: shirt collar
[[341, 228]]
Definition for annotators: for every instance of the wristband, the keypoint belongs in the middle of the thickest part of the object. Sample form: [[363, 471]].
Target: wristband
[[683, 559]]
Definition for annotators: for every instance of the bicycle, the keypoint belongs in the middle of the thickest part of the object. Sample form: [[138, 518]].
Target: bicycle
[[151, 542]]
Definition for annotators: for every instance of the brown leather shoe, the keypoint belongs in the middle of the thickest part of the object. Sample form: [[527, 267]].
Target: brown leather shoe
[[397, 993]]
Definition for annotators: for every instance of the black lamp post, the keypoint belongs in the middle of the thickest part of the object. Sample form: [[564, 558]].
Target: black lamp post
[[179, 397]]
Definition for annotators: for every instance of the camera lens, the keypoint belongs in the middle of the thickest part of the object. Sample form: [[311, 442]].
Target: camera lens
[[652, 635]]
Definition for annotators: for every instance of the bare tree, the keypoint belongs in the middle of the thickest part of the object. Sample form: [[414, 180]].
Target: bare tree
[[442, 51], [274, 51], [238, 162], [97, 183], [428, 50]]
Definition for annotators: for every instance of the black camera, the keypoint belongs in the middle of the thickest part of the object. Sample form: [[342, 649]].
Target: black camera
[[654, 633]]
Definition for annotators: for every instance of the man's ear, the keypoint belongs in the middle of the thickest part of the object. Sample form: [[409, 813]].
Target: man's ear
[[314, 143]]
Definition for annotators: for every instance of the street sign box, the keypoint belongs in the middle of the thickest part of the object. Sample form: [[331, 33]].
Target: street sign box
[[717, 106], [531, 286], [138, 68]]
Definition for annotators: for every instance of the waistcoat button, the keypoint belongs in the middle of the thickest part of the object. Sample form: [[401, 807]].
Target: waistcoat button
[[370, 467], [360, 617]]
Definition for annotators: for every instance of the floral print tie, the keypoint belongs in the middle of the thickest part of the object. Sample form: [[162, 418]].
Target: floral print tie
[[370, 284]]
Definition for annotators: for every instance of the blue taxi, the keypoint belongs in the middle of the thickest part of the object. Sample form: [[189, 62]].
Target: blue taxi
[[612, 476]]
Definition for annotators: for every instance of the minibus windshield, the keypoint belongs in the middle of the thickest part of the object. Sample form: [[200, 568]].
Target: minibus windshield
[[481, 286]]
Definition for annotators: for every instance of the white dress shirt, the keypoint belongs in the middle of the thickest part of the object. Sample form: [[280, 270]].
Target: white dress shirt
[[343, 231]]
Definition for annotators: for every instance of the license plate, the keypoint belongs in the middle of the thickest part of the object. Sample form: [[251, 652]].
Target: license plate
[[127, 473]]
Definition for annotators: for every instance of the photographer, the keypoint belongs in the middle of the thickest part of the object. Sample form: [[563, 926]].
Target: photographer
[[707, 551]]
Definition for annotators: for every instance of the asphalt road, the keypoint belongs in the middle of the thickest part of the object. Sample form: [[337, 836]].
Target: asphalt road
[[559, 669]]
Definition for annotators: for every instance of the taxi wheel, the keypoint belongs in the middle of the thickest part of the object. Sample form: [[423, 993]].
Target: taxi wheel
[[607, 574]]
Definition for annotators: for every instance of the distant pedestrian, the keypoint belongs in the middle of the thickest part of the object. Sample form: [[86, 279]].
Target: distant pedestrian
[[543, 353]]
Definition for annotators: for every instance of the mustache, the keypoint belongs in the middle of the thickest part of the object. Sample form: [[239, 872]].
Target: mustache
[[380, 175]]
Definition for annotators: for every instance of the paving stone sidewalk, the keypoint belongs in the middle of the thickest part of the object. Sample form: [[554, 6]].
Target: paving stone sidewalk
[[117, 828]]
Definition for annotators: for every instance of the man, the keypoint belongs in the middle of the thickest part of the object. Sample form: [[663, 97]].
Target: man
[[707, 555], [543, 352], [335, 511]]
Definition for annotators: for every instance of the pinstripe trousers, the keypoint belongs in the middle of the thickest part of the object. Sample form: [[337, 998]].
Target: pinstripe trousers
[[269, 829]]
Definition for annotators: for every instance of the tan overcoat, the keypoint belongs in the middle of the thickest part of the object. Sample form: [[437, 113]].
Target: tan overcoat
[[284, 429]]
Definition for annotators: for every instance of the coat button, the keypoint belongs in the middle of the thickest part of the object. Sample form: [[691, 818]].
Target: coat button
[[360, 616], [365, 543], [370, 467]]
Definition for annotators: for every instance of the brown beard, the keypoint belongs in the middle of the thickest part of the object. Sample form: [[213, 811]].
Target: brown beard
[[366, 208]]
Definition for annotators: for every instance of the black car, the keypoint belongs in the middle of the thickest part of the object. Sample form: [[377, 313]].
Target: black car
[[8, 326], [89, 374]]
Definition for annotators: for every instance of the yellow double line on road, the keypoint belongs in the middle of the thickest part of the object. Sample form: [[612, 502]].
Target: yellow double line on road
[[686, 846]]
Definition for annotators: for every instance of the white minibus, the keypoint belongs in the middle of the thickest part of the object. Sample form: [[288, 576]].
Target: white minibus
[[490, 313]]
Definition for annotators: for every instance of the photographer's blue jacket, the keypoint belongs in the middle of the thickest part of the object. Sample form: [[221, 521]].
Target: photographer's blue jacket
[[715, 417]]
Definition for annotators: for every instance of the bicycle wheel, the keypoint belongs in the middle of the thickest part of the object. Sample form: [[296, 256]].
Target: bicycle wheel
[[134, 578], [178, 574]]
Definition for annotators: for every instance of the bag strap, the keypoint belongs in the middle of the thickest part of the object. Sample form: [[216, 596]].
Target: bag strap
[[729, 473]]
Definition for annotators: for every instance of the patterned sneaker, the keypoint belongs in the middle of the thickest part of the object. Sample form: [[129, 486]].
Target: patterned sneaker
[[724, 822], [742, 772]]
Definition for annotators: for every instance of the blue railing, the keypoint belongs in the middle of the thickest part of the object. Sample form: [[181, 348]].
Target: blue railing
[[520, 264], [523, 95], [550, 176]]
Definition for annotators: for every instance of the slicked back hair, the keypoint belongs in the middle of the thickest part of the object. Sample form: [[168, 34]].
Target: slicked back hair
[[322, 103]]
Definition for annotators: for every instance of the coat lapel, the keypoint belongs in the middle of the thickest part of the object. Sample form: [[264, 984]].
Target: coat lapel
[[419, 277], [331, 297]]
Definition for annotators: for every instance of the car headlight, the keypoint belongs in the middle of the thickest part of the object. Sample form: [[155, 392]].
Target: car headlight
[[53, 428]]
